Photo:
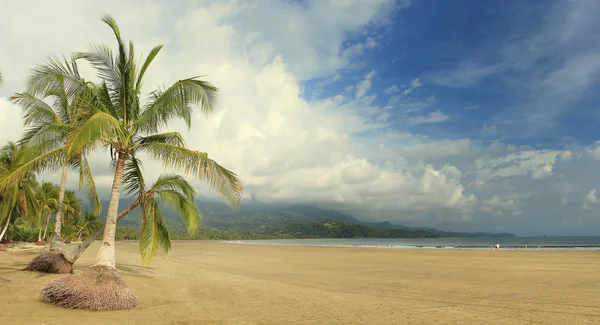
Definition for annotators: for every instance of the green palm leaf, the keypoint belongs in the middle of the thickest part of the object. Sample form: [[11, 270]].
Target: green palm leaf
[[198, 165], [165, 105], [155, 232]]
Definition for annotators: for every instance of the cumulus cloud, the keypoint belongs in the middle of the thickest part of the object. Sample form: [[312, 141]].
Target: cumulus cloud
[[337, 150]]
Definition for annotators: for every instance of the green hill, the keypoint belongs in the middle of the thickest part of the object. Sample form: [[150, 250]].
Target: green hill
[[257, 220]]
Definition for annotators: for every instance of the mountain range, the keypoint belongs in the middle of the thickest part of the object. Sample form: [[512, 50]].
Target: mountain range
[[293, 220]]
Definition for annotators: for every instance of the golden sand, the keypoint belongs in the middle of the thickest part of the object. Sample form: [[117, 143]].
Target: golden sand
[[206, 282]]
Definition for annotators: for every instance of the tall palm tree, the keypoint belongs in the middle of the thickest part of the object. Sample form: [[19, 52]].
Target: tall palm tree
[[21, 193], [59, 83], [129, 127], [122, 122]]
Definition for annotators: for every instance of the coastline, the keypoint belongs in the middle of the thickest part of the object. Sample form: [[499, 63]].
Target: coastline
[[436, 244], [208, 282]]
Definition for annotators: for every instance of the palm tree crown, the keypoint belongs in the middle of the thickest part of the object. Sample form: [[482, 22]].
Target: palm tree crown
[[119, 120]]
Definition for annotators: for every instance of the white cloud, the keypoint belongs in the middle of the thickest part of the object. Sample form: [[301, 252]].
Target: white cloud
[[391, 90], [590, 198], [416, 83], [365, 85], [433, 117], [289, 148]]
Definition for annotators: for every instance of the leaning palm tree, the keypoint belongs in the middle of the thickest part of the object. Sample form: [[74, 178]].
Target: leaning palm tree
[[21, 193], [170, 190], [59, 83], [122, 122]]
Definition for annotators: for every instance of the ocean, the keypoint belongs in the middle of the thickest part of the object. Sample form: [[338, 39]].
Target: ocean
[[508, 243]]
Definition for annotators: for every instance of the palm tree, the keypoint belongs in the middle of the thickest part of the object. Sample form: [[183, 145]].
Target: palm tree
[[45, 202], [122, 122], [51, 192], [21, 193], [171, 190], [1, 79], [58, 83], [87, 225], [72, 211]]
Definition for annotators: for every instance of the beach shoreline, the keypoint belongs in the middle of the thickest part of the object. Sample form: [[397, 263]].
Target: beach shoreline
[[210, 282]]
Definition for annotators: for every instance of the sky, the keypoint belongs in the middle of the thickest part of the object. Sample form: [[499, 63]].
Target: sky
[[462, 115]]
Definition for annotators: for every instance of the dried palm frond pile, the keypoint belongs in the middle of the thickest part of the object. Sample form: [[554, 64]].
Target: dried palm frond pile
[[101, 288]]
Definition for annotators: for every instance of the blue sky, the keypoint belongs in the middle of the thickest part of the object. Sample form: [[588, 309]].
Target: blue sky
[[486, 67], [461, 115]]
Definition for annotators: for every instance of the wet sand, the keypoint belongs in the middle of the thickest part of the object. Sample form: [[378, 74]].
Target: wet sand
[[206, 282]]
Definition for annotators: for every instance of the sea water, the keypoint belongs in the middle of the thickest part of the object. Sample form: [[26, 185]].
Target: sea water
[[506, 243]]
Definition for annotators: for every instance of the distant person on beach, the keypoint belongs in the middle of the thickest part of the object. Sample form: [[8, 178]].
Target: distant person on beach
[[497, 246]]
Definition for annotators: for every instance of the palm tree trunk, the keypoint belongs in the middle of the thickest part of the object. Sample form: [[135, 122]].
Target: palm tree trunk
[[47, 223], [106, 253], [40, 221], [73, 254], [80, 230], [57, 240], [6, 226]]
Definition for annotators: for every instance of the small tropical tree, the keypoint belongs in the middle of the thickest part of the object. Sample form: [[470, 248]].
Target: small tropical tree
[[51, 192], [122, 122], [59, 83], [87, 225], [45, 203], [21, 193]]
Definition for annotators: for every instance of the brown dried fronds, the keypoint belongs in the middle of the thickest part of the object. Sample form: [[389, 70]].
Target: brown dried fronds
[[50, 263], [101, 288]]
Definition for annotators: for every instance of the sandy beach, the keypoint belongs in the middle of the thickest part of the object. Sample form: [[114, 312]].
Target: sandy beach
[[207, 282]]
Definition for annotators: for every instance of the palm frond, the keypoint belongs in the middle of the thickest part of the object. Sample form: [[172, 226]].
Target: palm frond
[[154, 234], [44, 133], [34, 161], [172, 138], [100, 127], [133, 179], [36, 110], [86, 182], [101, 58], [197, 164], [153, 53], [175, 102], [54, 74], [172, 182], [186, 208]]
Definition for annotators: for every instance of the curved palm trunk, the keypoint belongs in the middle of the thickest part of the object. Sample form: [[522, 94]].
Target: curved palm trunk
[[74, 254], [6, 226], [40, 222], [57, 239], [46, 227], [106, 253]]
